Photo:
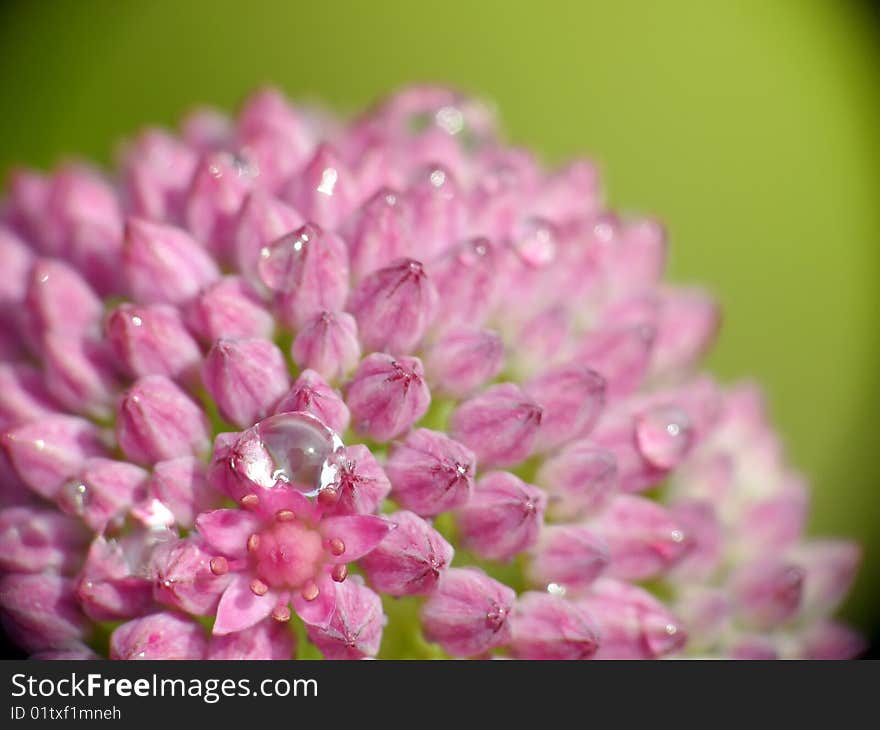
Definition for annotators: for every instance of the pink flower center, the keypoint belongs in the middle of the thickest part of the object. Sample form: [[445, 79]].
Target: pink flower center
[[288, 554]]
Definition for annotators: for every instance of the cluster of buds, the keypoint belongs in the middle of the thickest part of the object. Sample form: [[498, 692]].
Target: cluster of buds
[[277, 376]]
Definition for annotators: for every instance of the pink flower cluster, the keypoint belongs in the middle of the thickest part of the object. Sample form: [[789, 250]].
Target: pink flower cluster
[[275, 373]]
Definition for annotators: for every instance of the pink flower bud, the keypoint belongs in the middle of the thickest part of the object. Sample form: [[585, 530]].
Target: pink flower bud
[[164, 264], [620, 354], [643, 539], [327, 343], [543, 338], [151, 340], [219, 186], [570, 193], [325, 190], [355, 631], [183, 577], [632, 623], [110, 587], [778, 521], [461, 361], [379, 234], [24, 396], [308, 270], [74, 652], [767, 592], [503, 517], [311, 394], [59, 299], [16, 260], [830, 568], [832, 641], [687, 325], [261, 220], [34, 540], [267, 640], [78, 374], [465, 277], [103, 489], [499, 424], [639, 257], [469, 613], [180, 484], [206, 129], [580, 479], [411, 558], [702, 530], [387, 395], [28, 195], [394, 306], [569, 557], [48, 452], [545, 626], [430, 473], [229, 309], [156, 420], [436, 212], [246, 378], [163, 635], [158, 170], [360, 484], [572, 398], [39, 611]]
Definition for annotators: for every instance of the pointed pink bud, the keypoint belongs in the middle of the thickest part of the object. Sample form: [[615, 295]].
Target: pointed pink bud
[[218, 188], [462, 360], [158, 170], [267, 640], [620, 354], [156, 420], [832, 641], [639, 257], [180, 484], [430, 473], [570, 193], [767, 592], [568, 557], [465, 277], [328, 344], [545, 626], [39, 611], [102, 490], [311, 394], [151, 340], [246, 378], [542, 339], [499, 424], [779, 520], [379, 234], [830, 568], [48, 452], [16, 260], [58, 298], [688, 322], [308, 270], [702, 529], [411, 558], [572, 397], [325, 190], [503, 517], [387, 395], [394, 306], [355, 631], [163, 635], [28, 198], [230, 309], [706, 611], [24, 395], [436, 212], [79, 374], [469, 613], [360, 484], [110, 586], [164, 264], [261, 220], [632, 623], [206, 129], [504, 186], [580, 479], [34, 540], [643, 539], [183, 578]]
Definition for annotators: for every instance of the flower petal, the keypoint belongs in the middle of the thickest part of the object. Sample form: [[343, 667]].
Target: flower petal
[[240, 608], [360, 533], [227, 530], [319, 611]]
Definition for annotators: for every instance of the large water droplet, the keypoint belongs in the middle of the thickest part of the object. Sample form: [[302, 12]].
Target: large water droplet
[[280, 260], [664, 435], [535, 242], [290, 449]]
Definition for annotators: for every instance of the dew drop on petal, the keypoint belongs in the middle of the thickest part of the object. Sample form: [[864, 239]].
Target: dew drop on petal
[[664, 435]]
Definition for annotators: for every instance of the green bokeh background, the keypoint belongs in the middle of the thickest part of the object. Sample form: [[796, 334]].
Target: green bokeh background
[[751, 128]]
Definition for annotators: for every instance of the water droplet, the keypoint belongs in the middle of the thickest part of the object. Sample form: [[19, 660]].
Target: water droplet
[[280, 259], [555, 589], [449, 119], [664, 435], [535, 242], [74, 497]]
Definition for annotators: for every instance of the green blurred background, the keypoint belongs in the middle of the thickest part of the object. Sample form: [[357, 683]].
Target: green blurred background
[[751, 128]]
